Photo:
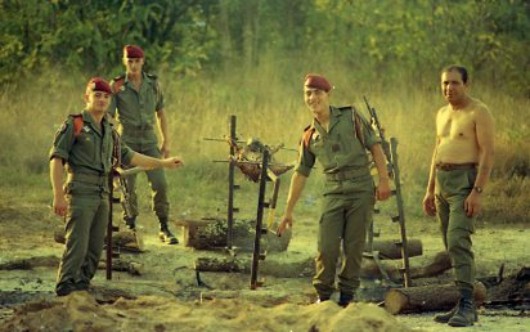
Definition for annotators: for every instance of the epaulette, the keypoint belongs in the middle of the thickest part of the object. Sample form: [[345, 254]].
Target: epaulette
[[77, 120], [308, 132], [153, 76], [119, 77], [117, 83]]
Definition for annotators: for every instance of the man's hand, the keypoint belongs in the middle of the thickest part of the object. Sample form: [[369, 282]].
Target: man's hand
[[472, 204], [59, 205], [428, 205], [287, 222], [383, 189], [172, 162]]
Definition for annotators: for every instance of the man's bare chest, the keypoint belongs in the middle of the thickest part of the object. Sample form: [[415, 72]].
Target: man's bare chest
[[455, 125]]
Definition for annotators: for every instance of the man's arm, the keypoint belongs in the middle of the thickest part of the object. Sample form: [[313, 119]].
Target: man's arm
[[383, 188], [485, 132], [164, 132], [295, 191], [428, 201], [147, 162], [56, 178]]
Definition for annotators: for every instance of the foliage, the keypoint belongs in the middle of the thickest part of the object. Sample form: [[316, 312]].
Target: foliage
[[247, 58], [377, 41]]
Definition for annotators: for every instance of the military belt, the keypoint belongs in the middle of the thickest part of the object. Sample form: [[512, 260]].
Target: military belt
[[95, 179], [455, 167], [136, 130], [347, 174]]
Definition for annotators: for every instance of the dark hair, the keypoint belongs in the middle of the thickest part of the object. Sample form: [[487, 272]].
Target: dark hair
[[461, 69]]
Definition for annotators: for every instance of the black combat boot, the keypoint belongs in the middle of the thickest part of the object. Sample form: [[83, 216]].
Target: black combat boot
[[466, 314], [131, 223], [345, 299], [65, 288], [322, 298], [445, 317], [165, 234]]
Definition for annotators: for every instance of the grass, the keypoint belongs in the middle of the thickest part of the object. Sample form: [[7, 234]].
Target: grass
[[270, 107]]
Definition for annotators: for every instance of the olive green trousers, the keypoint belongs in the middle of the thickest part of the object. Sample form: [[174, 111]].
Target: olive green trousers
[[452, 189], [157, 182], [86, 225], [343, 225]]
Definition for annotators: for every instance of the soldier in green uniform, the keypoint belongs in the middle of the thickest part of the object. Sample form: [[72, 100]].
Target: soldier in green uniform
[[84, 146], [460, 169], [137, 101], [338, 138]]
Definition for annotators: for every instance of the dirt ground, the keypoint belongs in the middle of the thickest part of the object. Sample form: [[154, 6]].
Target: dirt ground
[[168, 297]]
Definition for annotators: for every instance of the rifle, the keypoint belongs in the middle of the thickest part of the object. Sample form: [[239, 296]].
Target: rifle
[[108, 265], [390, 152], [374, 119]]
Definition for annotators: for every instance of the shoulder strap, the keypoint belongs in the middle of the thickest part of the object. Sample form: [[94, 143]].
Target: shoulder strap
[[357, 122], [116, 147], [78, 124], [152, 76], [117, 83], [308, 132]]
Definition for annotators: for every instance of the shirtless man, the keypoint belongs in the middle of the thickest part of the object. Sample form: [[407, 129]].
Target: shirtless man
[[460, 169]]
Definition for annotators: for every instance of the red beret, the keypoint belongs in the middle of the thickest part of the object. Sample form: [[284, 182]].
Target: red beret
[[132, 52], [98, 84], [317, 82]]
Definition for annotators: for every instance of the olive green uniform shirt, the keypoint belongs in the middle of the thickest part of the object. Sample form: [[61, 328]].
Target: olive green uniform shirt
[[348, 200], [135, 110], [338, 150], [91, 151], [88, 155]]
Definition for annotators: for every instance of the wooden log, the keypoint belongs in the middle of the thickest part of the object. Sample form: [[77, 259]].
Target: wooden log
[[390, 249], [428, 298], [370, 270], [210, 234], [293, 268], [120, 265], [30, 263], [124, 240], [439, 265], [208, 264]]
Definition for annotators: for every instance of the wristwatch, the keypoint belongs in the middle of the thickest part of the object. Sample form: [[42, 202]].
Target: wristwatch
[[478, 189]]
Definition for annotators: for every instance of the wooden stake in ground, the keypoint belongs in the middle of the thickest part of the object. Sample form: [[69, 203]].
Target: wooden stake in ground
[[428, 298]]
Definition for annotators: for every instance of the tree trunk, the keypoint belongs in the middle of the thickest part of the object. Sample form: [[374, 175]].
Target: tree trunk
[[390, 249], [428, 298]]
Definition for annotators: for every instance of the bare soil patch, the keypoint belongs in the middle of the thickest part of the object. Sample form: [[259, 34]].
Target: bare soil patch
[[168, 296]]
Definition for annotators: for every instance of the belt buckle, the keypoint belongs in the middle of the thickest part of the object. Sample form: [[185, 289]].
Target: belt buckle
[[444, 167]]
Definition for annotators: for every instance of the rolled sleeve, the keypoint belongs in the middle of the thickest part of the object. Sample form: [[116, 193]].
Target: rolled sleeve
[[112, 107], [306, 160], [126, 154], [63, 141], [370, 136], [159, 98]]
